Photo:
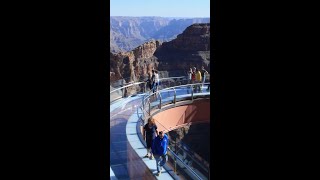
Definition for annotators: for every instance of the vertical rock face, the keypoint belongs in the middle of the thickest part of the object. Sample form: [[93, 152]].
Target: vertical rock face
[[146, 50], [134, 65], [194, 38], [189, 49]]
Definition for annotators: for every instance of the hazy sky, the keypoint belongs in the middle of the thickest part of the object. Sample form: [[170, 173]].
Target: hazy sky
[[163, 8]]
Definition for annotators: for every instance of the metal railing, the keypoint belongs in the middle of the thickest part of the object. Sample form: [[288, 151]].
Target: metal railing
[[166, 87], [149, 102], [135, 88], [121, 82], [182, 164], [189, 159], [192, 173], [156, 101]]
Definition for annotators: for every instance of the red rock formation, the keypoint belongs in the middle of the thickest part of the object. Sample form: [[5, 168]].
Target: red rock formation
[[195, 38], [189, 49], [134, 65]]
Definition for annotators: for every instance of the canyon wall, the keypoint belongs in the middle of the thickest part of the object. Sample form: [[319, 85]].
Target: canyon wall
[[134, 65], [174, 58]]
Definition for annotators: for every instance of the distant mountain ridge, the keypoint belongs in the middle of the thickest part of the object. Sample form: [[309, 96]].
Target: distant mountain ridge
[[127, 33]]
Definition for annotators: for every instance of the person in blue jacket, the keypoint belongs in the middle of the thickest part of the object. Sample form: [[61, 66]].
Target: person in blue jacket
[[159, 150]]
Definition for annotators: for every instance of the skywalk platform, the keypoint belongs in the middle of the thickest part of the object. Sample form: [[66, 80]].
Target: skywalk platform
[[126, 149]]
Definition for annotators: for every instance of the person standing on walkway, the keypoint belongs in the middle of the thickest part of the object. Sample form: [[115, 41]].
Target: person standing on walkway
[[193, 77], [149, 82], [189, 79], [149, 133], [198, 80], [203, 74], [159, 150], [189, 76], [156, 79], [153, 79]]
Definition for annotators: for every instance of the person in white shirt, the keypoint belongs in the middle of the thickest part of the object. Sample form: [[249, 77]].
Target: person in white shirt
[[156, 81], [204, 73], [189, 76]]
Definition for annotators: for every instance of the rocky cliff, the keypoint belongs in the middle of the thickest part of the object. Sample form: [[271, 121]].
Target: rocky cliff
[[189, 49], [134, 65]]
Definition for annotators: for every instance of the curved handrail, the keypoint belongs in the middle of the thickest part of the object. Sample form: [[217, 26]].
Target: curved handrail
[[142, 107], [136, 83], [141, 87], [180, 146], [146, 112], [174, 87], [131, 82], [172, 78], [145, 104], [176, 157], [185, 165]]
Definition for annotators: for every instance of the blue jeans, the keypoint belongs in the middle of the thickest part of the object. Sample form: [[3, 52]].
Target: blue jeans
[[160, 160], [155, 87]]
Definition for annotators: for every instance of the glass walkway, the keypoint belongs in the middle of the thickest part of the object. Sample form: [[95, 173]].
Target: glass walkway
[[127, 151]]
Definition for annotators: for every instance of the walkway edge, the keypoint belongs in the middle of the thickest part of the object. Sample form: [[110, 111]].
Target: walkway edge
[[139, 147]]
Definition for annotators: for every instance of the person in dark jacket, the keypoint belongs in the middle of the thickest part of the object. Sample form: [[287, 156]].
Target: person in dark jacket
[[150, 132], [149, 82], [159, 150]]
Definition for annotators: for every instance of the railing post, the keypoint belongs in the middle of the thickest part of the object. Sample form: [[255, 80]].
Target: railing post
[[143, 102], [175, 95], [149, 107], [160, 100], [175, 159], [192, 92]]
